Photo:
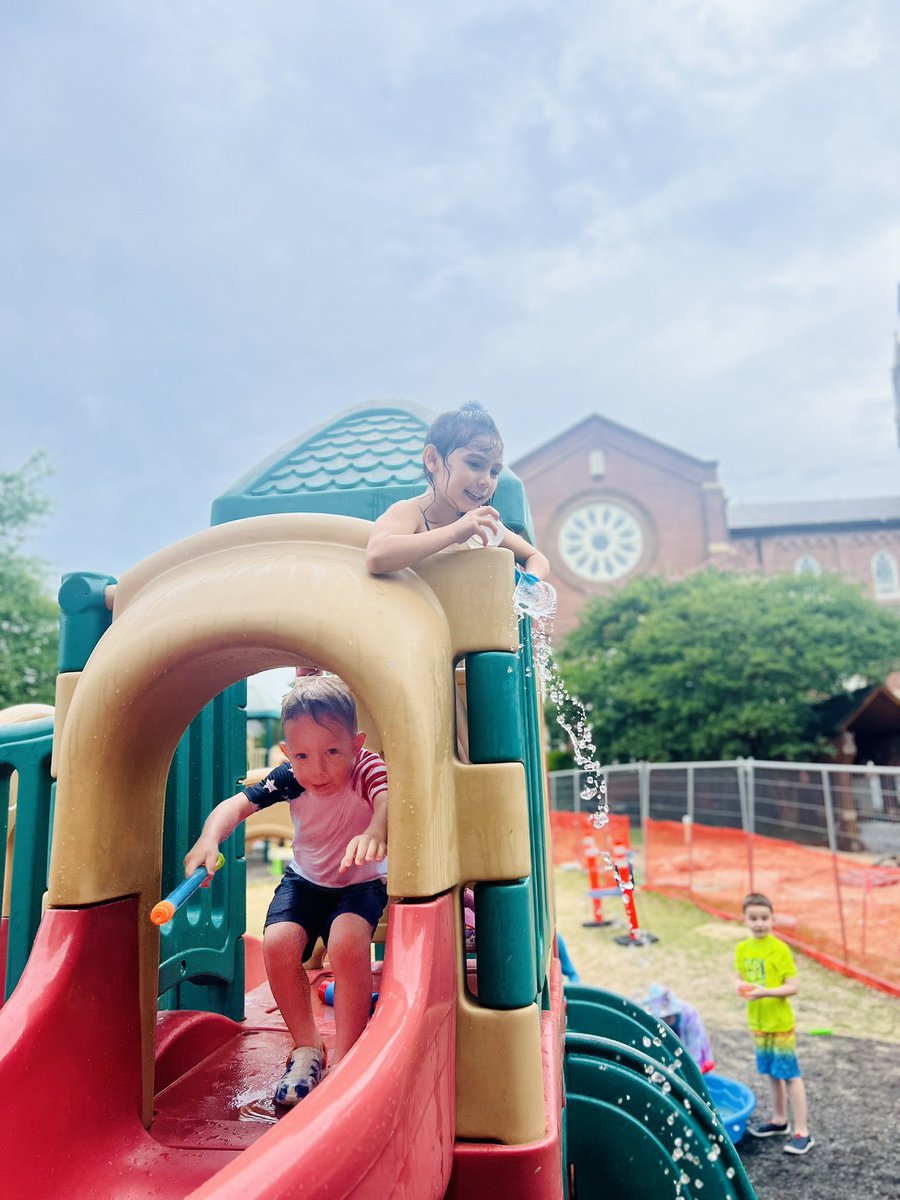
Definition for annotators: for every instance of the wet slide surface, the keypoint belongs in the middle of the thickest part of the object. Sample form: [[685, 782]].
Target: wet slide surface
[[70, 1056]]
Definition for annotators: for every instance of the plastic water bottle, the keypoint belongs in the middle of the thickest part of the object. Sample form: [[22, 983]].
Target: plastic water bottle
[[493, 539], [534, 597]]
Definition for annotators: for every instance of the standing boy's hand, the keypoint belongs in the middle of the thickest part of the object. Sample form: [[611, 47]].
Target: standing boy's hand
[[365, 847]]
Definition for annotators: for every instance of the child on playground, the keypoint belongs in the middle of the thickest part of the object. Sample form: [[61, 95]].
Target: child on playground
[[765, 977], [462, 461], [334, 885]]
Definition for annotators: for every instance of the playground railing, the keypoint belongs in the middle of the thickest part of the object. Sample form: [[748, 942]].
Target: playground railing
[[25, 752], [823, 839]]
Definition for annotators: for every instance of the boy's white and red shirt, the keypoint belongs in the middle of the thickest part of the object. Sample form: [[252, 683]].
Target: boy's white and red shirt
[[323, 825]]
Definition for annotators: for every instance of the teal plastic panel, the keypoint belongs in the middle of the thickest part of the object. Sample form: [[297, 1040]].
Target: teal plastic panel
[[537, 802], [494, 708], [26, 749], [201, 948], [503, 932]]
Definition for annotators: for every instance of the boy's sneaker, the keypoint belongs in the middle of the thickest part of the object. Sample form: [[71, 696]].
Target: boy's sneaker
[[305, 1068], [799, 1145], [770, 1129]]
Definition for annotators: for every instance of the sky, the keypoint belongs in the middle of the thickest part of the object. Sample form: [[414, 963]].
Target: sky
[[224, 222]]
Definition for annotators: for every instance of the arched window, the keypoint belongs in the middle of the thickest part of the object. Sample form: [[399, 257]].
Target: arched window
[[807, 565], [885, 575]]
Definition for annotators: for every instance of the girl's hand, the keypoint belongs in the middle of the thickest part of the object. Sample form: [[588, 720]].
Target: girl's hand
[[473, 524], [366, 847]]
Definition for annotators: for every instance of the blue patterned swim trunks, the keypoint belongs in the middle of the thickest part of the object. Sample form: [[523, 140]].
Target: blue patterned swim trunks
[[776, 1054]]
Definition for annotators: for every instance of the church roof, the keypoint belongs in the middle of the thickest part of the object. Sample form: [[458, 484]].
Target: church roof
[[746, 518], [622, 436]]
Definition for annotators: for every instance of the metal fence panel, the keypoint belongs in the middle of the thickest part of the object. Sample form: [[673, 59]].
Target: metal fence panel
[[823, 839]]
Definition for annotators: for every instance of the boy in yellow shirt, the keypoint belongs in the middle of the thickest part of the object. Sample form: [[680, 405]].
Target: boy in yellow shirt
[[765, 977]]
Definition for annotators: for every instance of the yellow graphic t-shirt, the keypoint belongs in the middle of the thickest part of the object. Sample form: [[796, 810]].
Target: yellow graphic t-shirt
[[766, 962]]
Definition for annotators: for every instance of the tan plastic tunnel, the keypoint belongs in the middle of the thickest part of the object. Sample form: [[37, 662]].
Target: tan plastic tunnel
[[265, 592]]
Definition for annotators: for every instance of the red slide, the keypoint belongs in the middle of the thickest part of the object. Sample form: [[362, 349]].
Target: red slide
[[381, 1124]]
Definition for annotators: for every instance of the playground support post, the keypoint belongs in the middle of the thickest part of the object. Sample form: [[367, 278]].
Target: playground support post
[[832, 846], [596, 891]]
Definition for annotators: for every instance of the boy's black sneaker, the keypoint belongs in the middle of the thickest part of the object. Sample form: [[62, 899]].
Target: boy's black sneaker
[[770, 1129], [799, 1145]]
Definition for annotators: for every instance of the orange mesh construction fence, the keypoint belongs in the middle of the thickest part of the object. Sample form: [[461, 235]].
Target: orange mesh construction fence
[[841, 911], [569, 830]]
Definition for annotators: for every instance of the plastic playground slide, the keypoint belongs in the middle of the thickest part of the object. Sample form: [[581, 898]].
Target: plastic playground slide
[[636, 1129], [72, 1029]]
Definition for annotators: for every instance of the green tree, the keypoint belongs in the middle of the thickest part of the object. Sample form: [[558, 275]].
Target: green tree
[[720, 665], [29, 622]]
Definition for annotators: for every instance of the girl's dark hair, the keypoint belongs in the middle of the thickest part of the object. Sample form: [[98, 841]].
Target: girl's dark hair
[[459, 427]]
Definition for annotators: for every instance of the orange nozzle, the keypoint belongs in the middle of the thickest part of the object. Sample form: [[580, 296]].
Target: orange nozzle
[[162, 912]]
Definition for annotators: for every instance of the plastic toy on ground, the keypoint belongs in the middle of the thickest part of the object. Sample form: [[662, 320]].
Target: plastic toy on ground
[[734, 1101]]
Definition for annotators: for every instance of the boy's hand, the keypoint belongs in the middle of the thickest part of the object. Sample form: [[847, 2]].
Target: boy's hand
[[202, 854], [366, 847], [751, 991]]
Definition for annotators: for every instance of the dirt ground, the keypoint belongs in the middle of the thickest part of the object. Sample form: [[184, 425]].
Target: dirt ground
[[853, 1087]]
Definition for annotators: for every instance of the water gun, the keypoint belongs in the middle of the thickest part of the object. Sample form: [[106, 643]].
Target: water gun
[[164, 911], [326, 993]]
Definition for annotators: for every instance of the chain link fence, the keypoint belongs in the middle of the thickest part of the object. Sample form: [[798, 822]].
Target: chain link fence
[[822, 839]]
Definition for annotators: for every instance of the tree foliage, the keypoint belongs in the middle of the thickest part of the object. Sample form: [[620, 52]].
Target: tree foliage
[[720, 665], [29, 623]]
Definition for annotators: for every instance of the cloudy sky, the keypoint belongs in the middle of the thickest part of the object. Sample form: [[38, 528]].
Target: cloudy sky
[[223, 222]]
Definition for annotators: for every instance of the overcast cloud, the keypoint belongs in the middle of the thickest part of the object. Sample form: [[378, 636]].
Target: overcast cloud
[[223, 222]]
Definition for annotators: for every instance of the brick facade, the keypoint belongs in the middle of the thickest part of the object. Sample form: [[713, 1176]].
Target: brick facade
[[609, 503]]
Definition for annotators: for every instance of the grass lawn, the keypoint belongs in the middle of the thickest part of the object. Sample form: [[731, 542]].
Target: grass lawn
[[693, 957]]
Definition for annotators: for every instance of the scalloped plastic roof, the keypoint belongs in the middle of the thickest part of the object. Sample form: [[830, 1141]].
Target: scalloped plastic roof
[[357, 464], [366, 449]]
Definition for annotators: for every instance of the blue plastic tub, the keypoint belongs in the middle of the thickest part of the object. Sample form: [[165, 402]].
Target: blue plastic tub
[[734, 1103]]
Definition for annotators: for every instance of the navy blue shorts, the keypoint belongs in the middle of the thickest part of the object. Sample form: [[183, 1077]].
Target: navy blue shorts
[[314, 908]]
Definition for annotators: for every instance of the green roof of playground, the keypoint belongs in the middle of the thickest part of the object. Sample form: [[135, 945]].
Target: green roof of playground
[[356, 464]]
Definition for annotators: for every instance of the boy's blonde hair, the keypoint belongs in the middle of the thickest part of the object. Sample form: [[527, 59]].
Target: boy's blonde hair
[[324, 698], [759, 899]]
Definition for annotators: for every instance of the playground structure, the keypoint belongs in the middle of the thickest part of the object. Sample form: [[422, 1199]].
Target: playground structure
[[472, 1078]]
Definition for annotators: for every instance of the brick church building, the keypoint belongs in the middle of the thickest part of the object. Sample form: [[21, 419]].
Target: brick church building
[[609, 503]]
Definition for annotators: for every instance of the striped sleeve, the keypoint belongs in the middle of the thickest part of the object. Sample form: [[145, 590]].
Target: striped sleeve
[[370, 776]]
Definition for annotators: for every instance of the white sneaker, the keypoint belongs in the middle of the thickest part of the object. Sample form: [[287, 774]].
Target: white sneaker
[[305, 1068]]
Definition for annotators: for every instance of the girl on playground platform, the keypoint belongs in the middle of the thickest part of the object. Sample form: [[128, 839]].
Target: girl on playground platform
[[462, 461], [334, 886]]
